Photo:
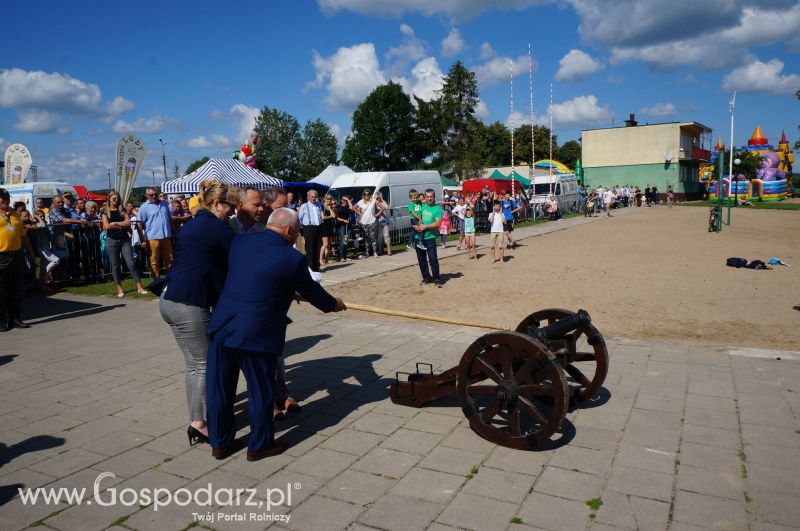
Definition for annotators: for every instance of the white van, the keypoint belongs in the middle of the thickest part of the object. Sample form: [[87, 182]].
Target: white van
[[393, 185], [564, 186], [30, 192]]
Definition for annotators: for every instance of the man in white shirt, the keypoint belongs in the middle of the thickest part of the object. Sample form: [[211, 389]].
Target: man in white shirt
[[310, 221], [365, 208], [608, 196], [249, 210]]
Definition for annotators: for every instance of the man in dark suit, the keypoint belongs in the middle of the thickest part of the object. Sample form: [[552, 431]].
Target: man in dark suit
[[248, 330]]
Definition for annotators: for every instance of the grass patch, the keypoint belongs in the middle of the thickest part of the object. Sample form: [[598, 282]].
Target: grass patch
[[167, 459], [594, 504], [757, 205], [797, 431], [472, 472], [516, 520], [107, 289], [119, 521]]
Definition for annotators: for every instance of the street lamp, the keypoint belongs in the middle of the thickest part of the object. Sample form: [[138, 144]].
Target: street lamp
[[109, 180], [163, 157], [735, 185]]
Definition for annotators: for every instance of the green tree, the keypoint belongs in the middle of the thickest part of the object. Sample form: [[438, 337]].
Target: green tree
[[455, 119], [541, 136], [278, 149], [569, 153], [318, 149], [196, 164], [497, 144], [384, 133]]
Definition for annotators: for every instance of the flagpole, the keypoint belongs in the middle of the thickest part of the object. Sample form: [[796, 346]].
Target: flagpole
[[511, 76], [732, 109]]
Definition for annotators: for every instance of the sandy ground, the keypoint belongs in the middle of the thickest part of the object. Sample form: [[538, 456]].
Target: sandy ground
[[653, 273]]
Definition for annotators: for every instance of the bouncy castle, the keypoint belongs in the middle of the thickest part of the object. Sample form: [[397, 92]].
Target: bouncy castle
[[773, 179]]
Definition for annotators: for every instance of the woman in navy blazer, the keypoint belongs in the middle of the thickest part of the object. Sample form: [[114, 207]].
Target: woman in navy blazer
[[194, 284]]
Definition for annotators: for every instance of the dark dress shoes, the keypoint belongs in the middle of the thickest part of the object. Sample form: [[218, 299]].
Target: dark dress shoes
[[277, 449], [222, 453], [16, 322]]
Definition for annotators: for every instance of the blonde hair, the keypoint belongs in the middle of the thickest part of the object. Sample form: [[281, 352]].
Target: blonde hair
[[212, 190], [107, 208]]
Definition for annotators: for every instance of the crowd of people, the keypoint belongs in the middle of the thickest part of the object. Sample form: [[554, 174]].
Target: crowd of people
[[604, 199]]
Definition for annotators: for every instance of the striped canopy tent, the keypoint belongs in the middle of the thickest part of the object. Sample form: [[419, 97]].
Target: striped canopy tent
[[330, 174], [228, 171]]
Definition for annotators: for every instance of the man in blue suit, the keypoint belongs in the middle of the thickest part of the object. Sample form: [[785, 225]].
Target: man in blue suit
[[248, 330]]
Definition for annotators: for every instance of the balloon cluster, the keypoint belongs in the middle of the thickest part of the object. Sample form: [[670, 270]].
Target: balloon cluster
[[247, 154]]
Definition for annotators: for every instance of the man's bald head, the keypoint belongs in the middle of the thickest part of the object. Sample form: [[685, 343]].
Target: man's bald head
[[285, 222]]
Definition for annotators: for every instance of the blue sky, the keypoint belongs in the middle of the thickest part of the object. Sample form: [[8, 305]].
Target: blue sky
[[195, 73]]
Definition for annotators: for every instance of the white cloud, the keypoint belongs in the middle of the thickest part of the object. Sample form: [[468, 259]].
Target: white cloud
[[3, 144], [516, 119], [578, 112], [349, 75], [119, 105], [218, 116], [411, 49], [426, 79], [615, 80], [713, 34], [497, 70], [40, 121], [151, 125], [482, 111], [245, 118], [486, 51], [41, 90], [212, 141], [659, 110], [456, 10], [453, 44], [576, 65], [762, 77]]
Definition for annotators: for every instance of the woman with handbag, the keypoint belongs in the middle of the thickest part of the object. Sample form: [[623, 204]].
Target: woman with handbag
[[117, 226], [12, 264], [193, 286]]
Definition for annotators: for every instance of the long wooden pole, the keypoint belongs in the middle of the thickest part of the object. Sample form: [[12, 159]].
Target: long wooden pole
[[411, 315]]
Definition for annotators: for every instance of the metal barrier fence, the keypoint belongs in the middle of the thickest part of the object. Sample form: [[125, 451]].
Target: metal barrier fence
[[80, 252], [83, 258]]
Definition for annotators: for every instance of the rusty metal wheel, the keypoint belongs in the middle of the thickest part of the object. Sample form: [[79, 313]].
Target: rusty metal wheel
[[587, 370], [512, 390]]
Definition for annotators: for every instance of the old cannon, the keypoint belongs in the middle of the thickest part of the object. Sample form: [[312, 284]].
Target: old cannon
[[516, 387]]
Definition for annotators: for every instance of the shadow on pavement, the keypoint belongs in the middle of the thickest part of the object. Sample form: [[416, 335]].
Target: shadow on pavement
[[7, 358], [49, 310], [9, 453]]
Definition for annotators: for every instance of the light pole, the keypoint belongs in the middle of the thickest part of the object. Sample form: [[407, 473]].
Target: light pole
[[732, 109], [109, 180], [154, 178], [163, 157]]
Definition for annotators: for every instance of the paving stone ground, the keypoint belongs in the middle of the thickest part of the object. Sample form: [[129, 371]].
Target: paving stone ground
[[690, 437]]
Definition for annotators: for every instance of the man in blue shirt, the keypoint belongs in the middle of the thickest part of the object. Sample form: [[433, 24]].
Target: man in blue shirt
[[509, 208], [310, 222], [154, 218]]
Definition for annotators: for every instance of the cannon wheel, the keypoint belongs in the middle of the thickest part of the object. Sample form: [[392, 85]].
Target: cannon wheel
[[525, 399], [587, 369]]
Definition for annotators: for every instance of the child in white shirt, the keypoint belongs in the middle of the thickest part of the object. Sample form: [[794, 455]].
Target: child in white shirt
[[497, 219]]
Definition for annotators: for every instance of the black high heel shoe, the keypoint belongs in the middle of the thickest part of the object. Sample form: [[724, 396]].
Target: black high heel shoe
[[196, 436]]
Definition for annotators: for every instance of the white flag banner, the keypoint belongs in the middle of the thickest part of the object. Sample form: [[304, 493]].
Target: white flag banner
[[130, 157], [18, 162]]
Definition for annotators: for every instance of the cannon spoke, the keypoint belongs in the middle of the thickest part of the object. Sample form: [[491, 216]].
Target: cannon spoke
[[488, 369], [537, 390], [584, 356], [514, 421], [524, 372], [483, 390], [490, 411], [576, 373], [531, 410], [505, 363]]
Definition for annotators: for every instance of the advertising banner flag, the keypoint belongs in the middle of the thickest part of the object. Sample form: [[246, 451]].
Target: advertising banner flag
[[18, 161], [130, 157]]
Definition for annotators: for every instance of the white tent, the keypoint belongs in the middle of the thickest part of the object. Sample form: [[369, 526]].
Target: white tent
[[329, 174], [228, 171]]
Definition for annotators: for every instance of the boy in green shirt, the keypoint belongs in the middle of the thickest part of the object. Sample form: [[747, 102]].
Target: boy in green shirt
[[414, 210]]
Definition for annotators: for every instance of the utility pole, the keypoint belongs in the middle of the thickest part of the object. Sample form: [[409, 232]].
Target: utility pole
[[163, 157]]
